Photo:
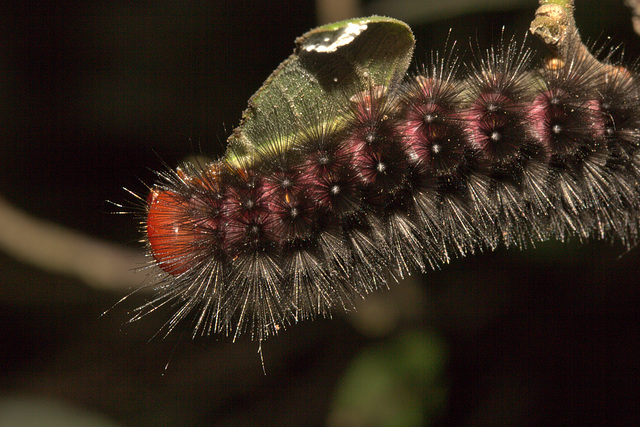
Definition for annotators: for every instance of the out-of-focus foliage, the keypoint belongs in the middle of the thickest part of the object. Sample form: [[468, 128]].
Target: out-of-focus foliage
[[399, 382]]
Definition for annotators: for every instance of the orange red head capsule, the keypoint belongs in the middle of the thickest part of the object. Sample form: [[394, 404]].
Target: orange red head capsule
[[170, 237], [184, 225]]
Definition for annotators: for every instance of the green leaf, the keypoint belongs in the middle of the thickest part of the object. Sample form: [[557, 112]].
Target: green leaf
[[329, 64], [399, 382]]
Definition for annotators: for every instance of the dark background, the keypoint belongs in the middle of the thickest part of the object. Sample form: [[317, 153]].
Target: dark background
[[94, 96]]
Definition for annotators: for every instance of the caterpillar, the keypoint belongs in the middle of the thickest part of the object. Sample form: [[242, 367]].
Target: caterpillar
[[346, 169]]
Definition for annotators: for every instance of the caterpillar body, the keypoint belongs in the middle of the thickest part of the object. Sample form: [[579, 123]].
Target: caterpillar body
[[343, 170]]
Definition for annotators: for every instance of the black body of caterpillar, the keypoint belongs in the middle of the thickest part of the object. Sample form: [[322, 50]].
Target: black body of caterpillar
[[398, 177]]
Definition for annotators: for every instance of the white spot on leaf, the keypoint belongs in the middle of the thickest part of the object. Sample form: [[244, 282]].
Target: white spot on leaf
[[347, 35]]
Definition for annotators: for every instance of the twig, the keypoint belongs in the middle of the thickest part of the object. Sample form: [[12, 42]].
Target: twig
[[635, 6], [54, 248], [555, 25]]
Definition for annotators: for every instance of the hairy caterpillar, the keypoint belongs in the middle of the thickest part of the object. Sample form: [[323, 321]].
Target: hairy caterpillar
[[343, 170]]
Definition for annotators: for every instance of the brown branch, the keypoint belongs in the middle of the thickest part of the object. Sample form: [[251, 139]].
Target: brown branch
[[635, 20], [555, 25], [57, 249]]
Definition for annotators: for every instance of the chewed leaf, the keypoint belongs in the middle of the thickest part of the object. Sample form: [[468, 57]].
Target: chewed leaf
[[328, 63]]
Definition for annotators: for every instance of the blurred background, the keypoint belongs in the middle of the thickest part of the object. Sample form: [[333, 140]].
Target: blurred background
[[95, 96]]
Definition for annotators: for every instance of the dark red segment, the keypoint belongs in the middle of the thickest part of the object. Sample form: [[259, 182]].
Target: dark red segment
[[249, 222], [327, 173], [618, 99], [288, 200], [375, 145], [565, 115], [496, 126], [431, 126], [321, 163], [563, 123], [336, 192]]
